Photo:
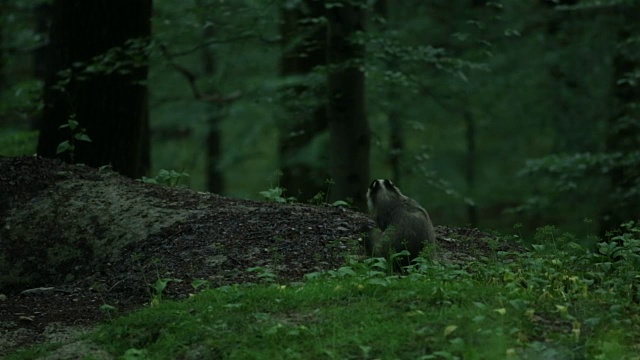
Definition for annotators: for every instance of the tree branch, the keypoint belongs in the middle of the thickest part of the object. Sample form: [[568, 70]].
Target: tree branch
[[192, 80]]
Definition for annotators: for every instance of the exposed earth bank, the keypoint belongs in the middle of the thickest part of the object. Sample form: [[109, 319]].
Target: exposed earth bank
[[75, 238]]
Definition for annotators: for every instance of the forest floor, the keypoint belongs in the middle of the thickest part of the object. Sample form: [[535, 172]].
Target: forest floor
[[289, 240]]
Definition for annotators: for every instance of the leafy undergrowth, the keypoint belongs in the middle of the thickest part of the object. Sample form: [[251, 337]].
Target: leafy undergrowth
[[558, 301]]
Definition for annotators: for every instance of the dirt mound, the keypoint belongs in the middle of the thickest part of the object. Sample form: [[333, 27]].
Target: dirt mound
[[214, 239]]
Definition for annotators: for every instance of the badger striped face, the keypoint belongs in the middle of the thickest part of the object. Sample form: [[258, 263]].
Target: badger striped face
[[379, 190]]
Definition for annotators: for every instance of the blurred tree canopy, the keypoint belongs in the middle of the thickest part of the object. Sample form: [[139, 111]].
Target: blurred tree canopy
[[490, 113]]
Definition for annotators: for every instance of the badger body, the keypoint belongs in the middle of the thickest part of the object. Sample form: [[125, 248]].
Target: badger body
[[403, 224]]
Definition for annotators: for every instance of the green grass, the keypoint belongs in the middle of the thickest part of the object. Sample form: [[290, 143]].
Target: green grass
[[559, 301]]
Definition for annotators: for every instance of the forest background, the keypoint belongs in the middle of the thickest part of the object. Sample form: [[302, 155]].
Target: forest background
[[492, 114]]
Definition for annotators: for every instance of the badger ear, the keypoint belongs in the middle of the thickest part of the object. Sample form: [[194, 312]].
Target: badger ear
[[388, 184], [374, 184]]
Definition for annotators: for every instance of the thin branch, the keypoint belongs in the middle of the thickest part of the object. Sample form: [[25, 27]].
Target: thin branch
[[208, 43], [192, 79]]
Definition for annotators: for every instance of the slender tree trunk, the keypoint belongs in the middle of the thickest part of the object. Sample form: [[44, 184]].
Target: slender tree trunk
[[43, 24], [568, 122], [215, 177], [624, 130], [396, 141], [304, 50], [109, 99], [3, 63], [470, 126], [348, 125], [396, 138]]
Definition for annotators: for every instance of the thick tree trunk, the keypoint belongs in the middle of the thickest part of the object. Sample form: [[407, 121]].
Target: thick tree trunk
[[108, 98], [348, 125], [304, 50]]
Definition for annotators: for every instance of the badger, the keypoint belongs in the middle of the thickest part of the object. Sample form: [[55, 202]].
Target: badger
[[403, 224]]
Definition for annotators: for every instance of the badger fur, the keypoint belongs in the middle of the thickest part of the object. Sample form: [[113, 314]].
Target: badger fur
[[403, 223]]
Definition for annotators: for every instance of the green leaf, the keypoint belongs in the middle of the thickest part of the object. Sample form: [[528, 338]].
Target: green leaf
[[82, 137], [538, 247], [108, 308], [72, 124], [200, 283], [63, 146]]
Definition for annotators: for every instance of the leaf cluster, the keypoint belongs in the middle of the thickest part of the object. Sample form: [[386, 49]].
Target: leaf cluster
[[170, 178]]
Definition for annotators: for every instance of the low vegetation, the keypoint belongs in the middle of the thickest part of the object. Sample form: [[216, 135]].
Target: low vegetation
[[559, 300]]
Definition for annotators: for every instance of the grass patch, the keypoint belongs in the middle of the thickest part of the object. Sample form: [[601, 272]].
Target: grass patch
[[558, 301]]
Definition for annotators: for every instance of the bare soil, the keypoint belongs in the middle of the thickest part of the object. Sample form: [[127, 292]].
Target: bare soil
[[218, 245]]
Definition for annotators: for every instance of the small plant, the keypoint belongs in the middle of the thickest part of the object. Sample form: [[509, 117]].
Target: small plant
[[277, 194], [201, 283], [323, 197], [159, 287], [318, 199], [77, 134], [339, 203], [169, 178], [264, 273], [110, 310], [329, 183], [336, 203]]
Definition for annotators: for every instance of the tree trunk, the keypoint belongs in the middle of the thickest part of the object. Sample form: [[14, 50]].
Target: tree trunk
[[3, 63], [108, 96], [396, 138], [624, 131], [215, 177], [470, 128], [348, 126], [304, 50], [43, 24]]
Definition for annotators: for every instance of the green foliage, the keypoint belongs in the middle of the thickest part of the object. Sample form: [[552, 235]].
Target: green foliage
[[574, 176], [200, 283], [265, 274], [76, 134], [170, 178], [537, 304], [110, 310], [158, 289], [323, 198], [22, 101], [560, 300], [117, 60], [277, 194], [568, 170], [18, 143], [340, 203], [525, 80]]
